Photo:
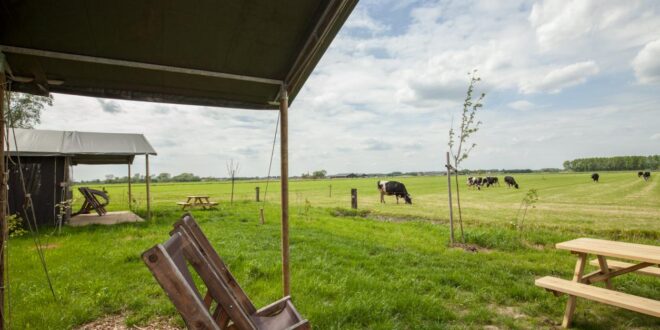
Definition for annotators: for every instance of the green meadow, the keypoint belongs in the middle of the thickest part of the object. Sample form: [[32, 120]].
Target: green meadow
[[384, 266]]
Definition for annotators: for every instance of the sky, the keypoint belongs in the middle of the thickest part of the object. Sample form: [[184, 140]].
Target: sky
[[563, 80]]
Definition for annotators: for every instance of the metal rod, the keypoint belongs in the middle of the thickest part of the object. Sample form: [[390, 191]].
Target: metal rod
[[284, 177], [451, 210], [132, 64], [147, 181]]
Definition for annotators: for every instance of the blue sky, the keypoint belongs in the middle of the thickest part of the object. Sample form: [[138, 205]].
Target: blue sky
[[564, 79]]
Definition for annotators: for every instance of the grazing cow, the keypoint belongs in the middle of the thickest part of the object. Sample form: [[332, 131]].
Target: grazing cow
[[475, 182], [491, 181], [595, 177], [397, 189], [647, 176], [640, 174], [510, 181]]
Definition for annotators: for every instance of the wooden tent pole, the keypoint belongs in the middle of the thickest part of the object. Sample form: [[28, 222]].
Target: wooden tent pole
[[3, 192], [147, 181], [284, 177], [130, 196]]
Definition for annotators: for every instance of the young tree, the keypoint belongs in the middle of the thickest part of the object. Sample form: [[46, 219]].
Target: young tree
[[232, 170], [25, 109], [459, 147]]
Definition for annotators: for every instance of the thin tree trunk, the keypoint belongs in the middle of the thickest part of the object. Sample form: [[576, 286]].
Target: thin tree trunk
[[232, 190], [458, 203]]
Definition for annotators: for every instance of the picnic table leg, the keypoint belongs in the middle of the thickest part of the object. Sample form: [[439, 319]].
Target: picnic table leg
[[577, 277], [605, 269]]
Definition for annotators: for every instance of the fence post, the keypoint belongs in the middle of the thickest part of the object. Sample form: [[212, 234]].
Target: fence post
[[354, 198], [257, 191], [330, 192]]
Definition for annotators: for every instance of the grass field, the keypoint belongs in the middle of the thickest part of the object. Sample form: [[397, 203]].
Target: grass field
[[386, 266]]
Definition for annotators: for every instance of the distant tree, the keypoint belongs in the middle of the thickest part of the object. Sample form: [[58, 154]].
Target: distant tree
[[164, 177], [459, 147], [185, 177], [25, 109], [232, 170], [319, 174]]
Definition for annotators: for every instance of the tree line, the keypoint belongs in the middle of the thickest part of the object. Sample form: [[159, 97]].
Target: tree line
[[619, 163]]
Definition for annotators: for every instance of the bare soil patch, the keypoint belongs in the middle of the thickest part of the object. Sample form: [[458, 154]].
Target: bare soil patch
[[118, 322]]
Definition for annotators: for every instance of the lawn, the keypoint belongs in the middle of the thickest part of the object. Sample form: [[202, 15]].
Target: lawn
[[386, 266]]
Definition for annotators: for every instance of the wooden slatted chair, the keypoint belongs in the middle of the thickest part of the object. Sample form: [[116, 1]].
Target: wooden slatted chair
[[169, 262], [91, 202]]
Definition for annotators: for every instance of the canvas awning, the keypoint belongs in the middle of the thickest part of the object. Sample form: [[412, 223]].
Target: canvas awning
[[82, 147], [216, 53]]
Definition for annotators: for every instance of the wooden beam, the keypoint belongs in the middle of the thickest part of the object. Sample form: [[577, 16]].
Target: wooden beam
[[147, 181], [284, 177], [3, 193], [136, 65]]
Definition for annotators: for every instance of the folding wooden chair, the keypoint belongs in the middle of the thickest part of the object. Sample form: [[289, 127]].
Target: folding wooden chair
[[168, 263], [91, 202]]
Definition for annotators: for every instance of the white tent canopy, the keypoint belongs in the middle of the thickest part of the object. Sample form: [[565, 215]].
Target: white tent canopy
[[82, 147]]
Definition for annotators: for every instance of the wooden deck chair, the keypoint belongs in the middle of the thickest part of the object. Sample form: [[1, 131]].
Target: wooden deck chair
[[91, 202], [169, 265]]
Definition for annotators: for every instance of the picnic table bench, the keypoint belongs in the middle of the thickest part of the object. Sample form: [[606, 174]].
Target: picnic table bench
[[646, 259], [197, 201]]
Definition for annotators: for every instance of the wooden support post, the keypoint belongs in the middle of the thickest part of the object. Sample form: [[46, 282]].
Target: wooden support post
[[3, 193], [330, 191], [147, 181], [130, 195], [602, 262], [284, 177], [451, 209], [257, 193], [577, 277], [354, 198]]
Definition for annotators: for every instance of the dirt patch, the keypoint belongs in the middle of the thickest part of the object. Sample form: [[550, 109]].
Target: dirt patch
[[471, 248], [48, 246], [118, 322], [512, 312]]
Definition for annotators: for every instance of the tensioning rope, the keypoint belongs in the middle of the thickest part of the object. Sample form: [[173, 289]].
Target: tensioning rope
[[270, 165], [28, 198]]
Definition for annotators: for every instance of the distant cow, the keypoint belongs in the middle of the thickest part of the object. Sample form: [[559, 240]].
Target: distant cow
[[510, 181], [475, 182], [491, 181], [397, 189], [647, 176], [595, 177], [640, 174]]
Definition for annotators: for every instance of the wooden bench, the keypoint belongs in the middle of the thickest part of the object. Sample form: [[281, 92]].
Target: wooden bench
[[610, 297], [646, 256], [616, 265]]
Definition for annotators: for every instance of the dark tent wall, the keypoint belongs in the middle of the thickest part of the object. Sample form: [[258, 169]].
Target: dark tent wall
[[44, 179]]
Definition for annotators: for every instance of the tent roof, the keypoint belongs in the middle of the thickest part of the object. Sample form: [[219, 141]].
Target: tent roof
[[83, 147], [216, 53]]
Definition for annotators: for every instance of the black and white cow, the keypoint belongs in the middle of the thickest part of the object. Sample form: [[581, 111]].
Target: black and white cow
[[510, 181], [475, 182], [395, 188], [647, 176], [640, 174], [491, 181], [595, 177]]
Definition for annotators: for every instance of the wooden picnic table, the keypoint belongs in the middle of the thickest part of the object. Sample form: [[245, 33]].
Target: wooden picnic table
[[645, 260], [198, 201]]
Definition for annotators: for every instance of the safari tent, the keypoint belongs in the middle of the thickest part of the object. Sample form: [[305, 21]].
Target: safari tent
[[42, 160]]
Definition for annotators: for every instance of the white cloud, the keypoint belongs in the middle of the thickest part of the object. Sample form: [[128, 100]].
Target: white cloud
[[655, 136], [558, 79], [521, 105], [394, 76], [647, 63]]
